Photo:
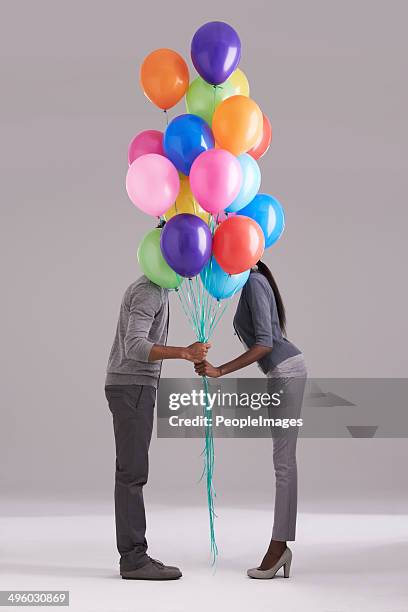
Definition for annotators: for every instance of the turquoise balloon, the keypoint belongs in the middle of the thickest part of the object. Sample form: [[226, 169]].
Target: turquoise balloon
[[220, 284], [269, 214], [251, 181]]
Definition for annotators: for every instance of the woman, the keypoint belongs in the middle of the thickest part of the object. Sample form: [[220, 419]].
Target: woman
[[260, 323]]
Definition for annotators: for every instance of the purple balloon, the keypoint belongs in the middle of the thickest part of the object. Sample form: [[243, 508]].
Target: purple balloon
[[186, 244], [215, 51]]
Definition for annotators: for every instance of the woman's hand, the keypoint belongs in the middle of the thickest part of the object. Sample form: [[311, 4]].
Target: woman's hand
[[206, 369], [255, 353]]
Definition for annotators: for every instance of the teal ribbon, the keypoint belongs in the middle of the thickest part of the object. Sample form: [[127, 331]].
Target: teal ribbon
[[204, 313]]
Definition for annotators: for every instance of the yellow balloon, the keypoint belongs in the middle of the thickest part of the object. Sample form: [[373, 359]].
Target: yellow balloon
[[186, 203], [239, 82]]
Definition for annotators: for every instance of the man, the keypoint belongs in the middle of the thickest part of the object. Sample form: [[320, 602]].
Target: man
[[132, 377]]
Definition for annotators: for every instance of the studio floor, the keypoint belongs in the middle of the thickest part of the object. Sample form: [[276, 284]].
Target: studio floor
[[341, 563]]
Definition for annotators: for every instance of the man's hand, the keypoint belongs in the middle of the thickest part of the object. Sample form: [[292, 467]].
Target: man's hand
[[206, 369], [197, 352]]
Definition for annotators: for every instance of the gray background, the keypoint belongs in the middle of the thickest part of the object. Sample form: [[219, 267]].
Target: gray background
[[332, 78]]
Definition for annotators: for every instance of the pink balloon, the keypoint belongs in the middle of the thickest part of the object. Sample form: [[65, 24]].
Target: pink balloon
[[215, 179], [152, 183], [149, 141]]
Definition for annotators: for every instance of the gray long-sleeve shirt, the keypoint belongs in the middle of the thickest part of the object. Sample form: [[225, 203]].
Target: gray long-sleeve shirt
[[256, 321], [143, 322]]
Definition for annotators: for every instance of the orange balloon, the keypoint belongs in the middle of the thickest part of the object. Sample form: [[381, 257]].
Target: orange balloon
[[164, 77], [237, 124], [238, 244]]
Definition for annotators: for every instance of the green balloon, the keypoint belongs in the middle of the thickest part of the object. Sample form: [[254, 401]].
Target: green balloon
[[202, 98], [152, 262]]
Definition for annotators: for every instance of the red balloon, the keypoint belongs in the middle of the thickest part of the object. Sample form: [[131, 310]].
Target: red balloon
[[261, 147], [238, 244]]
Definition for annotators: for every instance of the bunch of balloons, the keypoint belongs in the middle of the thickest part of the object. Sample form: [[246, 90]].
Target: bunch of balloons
[[202, 175]]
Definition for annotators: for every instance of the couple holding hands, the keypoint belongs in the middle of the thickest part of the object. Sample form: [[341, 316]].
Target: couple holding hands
[[132, 377]]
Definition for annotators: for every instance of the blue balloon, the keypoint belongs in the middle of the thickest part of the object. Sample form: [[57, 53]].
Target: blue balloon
[[185, 138], [269, 214], [251, 181], [220, 284]]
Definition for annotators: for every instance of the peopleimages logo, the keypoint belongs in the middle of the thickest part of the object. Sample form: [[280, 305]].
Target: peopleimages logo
[[223, 399], [240, 423], [207, 402]]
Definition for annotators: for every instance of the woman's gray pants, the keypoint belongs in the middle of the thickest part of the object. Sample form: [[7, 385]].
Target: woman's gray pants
[[289, 377]]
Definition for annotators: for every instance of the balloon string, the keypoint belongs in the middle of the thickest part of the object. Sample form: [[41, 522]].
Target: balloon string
[[215, 95], [204, 312], [185, 306], [209, 473], [167, 116]]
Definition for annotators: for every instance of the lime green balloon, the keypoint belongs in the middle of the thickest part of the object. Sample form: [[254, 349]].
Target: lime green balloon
[[202, 98], [153, 264]]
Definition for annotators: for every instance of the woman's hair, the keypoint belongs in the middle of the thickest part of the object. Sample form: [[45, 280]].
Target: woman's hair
[[265, 271]]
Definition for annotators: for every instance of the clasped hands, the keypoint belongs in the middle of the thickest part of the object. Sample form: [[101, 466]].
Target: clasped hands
[[197, 353]]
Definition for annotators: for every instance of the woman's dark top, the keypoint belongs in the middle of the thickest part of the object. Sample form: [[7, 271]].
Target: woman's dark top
[[256, 321]]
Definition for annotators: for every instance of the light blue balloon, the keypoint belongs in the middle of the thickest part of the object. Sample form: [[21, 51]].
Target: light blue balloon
[[269, 214], [220, 284], [251, 181]]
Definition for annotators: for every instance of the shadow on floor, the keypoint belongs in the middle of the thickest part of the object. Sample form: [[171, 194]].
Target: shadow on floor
[[364, 558]]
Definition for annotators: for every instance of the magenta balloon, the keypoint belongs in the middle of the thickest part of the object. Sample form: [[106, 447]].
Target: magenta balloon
[[152, 183], [149, 141], [215, 179]]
